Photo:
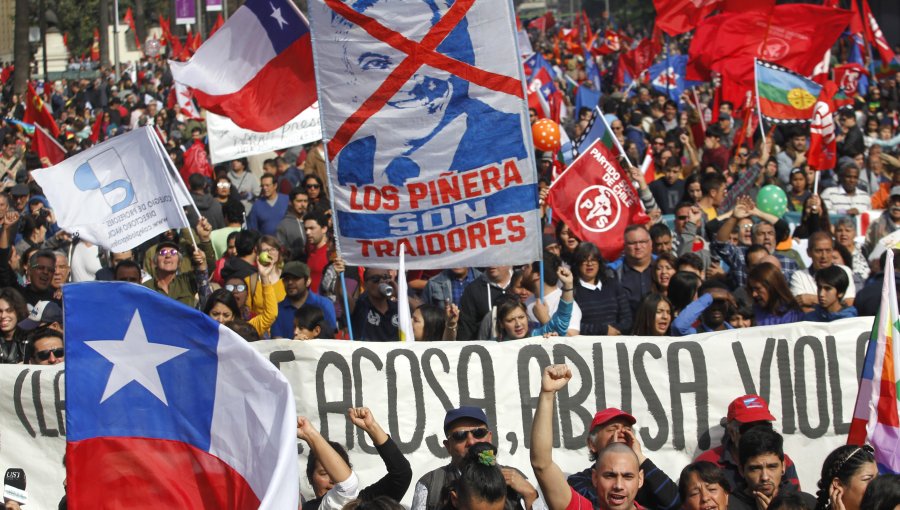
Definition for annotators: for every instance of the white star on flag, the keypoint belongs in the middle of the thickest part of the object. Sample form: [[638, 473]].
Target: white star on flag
[[276, 13], [134, 358]]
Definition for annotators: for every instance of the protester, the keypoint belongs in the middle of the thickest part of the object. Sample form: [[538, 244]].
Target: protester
[[512, 316], [617, 474], [45, 347], [846, 473], [479, 298], [328, 470], [654, 316], [773, 301], [831, 286], [761, 461], [703, 486], [13, 310], [375, 314], [465, 427], [269, 209], [603, 303], [481, 483], [883, 493]]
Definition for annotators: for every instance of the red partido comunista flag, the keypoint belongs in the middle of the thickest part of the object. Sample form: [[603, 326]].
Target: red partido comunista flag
[[36, 112], [822, 153], [847, 76], [595, 198]]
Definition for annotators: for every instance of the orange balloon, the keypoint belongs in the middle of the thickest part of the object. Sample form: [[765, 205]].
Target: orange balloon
[[546, 137]]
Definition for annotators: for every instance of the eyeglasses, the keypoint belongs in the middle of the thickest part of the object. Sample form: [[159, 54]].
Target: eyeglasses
[[168, 252], [589, 261], [462, 435], [45, 355], [42, 267], [236, 288], [312, 186]]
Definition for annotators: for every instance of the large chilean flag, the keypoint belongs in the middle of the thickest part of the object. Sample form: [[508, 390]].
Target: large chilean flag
[[257, 69], [168, 409]]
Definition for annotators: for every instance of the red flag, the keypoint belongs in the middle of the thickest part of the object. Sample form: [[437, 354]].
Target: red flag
[[543, 23], [66, 39], [648, 166], [166, 30], [641, 57], [37, 113], [676, 17], [588, 32], [747, 5], [874, 35], [6, 73], [822, 153], [221, 21], [595, 198], [95, 46], [97, 128], [129, 18], [847, 77], [196, 161], [49, 151]]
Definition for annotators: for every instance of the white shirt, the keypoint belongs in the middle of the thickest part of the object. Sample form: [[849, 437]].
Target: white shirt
[[803, 283], [839, 202]]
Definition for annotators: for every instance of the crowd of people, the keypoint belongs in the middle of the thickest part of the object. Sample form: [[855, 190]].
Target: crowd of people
[[749, 471], [712, 259]]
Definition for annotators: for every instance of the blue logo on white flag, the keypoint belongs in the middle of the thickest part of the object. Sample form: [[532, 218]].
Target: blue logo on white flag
[[105, 175]]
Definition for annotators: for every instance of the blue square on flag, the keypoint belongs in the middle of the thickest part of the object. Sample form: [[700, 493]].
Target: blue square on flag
[[281, 22], [130, 362]]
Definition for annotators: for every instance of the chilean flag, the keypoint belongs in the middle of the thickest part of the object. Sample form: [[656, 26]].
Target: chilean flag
[[257, 69], [168, 409]]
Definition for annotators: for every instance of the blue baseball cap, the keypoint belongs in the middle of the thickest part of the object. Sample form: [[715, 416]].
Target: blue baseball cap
[[459, 413]]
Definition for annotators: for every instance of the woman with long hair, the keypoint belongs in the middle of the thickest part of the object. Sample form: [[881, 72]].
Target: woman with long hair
[[315, 190], [663, 269], [773, 302], [603, 302], [432, 323], [683, 289], [512, 315], [653, 316], [567, 242], [13, 310], [846, 473]]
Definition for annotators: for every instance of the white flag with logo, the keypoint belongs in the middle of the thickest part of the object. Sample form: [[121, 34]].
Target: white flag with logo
[[117, 194]]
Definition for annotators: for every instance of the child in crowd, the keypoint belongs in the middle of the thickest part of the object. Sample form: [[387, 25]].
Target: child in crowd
[[831, 284]]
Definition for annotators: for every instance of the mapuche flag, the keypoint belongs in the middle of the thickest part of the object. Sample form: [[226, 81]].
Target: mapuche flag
[[784, 96], [595, 198]]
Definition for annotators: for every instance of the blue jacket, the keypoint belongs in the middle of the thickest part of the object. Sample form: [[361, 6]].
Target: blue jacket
[[820, 314], [684, 324], [284, 323]]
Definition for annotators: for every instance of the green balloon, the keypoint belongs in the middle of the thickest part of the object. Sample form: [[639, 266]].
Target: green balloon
[[772, 200]]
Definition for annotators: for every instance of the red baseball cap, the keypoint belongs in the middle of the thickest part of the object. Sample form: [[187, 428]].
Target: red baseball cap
[[749, 408], [610, 414]]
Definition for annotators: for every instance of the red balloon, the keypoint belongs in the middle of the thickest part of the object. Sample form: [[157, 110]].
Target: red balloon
[[546, 137]]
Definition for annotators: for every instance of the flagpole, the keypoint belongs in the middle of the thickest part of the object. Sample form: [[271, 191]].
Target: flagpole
[[699, 110], [613, 136], [762, 127]]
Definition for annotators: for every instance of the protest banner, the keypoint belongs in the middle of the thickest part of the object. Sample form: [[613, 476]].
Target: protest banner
[[426, 133], [229, 141], [678, 388], [117, 194]]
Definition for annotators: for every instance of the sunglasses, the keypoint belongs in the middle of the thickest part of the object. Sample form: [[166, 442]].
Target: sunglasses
[[235, 288], [223, 185], [681, 218], [45, 355], [462, 435], [168, 252], [312, 186]]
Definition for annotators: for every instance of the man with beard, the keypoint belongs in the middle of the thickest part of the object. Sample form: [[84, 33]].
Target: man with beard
[[761, 456]]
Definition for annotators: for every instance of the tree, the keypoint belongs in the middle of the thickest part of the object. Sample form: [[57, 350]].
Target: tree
[[22, 48]]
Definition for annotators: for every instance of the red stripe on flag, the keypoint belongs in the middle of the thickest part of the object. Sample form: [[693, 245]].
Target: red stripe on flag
[[253, 107], [418, 54], [783, 111], [138, 473]]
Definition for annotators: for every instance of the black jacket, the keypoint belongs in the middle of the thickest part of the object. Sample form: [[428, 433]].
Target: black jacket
[[477, 300]]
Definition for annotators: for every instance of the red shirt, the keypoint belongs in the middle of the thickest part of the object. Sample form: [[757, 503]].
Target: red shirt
[[579, 502], [316, 259]]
